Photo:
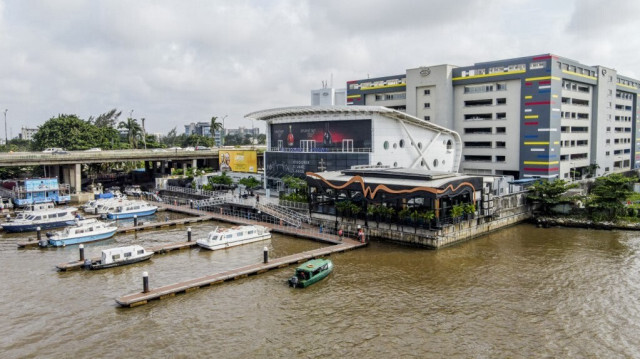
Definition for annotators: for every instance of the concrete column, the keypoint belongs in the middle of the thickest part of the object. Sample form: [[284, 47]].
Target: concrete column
[[163, 170], [194, 163], [66, 175], [184, 167], [75, 177]]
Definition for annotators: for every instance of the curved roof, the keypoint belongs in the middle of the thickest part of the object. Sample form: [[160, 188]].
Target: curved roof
[[270, 114]]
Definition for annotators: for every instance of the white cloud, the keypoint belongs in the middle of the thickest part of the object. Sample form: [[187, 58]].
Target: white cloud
[[178, 62]]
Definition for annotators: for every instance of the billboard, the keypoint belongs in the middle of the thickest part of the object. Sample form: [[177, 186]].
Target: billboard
[[321, 136], [238, 161], [280, 164]]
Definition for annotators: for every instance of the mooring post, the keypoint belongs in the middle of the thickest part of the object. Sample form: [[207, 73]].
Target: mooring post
[[145, 282], [135, 220], [191, 203], [266, 254], [95, 210], [39, 233], [81, 248], [189, 234]]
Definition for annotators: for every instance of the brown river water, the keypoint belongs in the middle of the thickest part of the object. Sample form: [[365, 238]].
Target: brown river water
[[522, 292]]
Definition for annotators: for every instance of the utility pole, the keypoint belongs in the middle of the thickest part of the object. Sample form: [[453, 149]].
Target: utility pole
[[6, 137]]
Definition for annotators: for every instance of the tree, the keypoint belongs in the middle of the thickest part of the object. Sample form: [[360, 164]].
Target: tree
[[170, 139], [550, 193], [72, 133], [609, 193], [134, 131], [108, 119], [215, 126], [262, 139], [249, 182]]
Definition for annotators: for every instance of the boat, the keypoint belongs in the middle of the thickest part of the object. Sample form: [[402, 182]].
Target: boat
[[311, 272], [119, 256], [85, 230], [45, 219], [132, 208], [102, 206], [229, 237], [133, 190]]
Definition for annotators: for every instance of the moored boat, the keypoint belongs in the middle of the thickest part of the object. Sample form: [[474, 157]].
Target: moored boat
[[311, 272], [228, 237], [44, 218], [86, 230], [132, 208], [119, 256]]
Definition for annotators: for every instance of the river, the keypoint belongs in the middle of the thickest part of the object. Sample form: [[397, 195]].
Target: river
[[519, 292]]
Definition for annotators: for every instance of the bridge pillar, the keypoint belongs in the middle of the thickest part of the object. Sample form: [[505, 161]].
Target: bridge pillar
[[163, 171], [194, 164], [184, 167], [76, 177]]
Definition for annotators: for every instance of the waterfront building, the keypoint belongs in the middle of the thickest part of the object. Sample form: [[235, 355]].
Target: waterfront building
[[331, 138], [542, 116]]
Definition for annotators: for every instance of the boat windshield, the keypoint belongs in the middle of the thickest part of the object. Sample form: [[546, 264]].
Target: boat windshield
[[214, 237]]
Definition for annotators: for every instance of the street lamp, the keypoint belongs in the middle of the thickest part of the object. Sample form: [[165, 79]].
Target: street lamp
[[6, 138], [144, 134], [223, 129]]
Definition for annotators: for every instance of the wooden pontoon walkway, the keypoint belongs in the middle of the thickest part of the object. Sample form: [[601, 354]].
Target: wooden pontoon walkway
[[167, 291]]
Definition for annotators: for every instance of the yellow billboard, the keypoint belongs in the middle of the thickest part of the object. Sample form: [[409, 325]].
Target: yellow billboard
[[238, 161]]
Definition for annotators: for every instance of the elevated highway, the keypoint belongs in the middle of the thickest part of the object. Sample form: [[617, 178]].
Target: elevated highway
[[67, 165]]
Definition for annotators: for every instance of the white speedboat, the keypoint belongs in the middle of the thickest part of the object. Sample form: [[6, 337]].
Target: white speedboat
[[228, 237], [119, 256], [45, 219], [132, 208], [102, 205], [85, 230]]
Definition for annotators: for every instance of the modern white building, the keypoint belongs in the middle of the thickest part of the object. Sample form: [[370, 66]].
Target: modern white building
[[329, 97], [330, 138]]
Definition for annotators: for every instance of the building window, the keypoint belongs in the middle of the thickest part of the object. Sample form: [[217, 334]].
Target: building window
[[501, 101], [537, 65], [427, 92], [427, 105], [449, 145], [501, 130], [435, 163], [427, 118]]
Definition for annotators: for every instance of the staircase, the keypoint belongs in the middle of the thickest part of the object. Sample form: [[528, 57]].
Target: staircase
[[286, 215]]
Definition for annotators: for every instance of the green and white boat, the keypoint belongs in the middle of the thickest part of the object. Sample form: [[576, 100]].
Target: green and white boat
[[311, 272]]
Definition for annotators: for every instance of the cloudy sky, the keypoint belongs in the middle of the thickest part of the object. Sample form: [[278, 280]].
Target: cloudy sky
[[176, 62]]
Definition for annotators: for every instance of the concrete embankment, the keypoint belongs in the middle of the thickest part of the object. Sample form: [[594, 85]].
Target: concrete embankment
[[582, 223]]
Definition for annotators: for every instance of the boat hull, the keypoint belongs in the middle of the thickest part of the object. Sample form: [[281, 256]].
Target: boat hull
[[83, 239], [204, 244], [148, 212], [31, 227], [99, 265], [303, 283]]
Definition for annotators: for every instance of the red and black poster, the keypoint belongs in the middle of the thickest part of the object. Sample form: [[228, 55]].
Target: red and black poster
[[322, 136]]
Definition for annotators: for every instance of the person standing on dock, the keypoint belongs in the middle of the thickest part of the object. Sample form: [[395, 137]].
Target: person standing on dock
[[340, 234]]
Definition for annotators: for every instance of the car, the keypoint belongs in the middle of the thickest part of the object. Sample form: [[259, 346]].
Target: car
[[60, 152], [189, 148], [202, 148], [175, 148], [52, 150], [158, 150], [94, 149]]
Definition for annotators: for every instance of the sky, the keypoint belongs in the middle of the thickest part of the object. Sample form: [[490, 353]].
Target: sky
[[182, 61]]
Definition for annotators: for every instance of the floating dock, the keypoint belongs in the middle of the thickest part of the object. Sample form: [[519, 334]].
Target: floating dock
[[136, 299]]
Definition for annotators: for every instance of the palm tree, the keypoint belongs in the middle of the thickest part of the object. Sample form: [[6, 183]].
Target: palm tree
[[215, 126], [134, 131]]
